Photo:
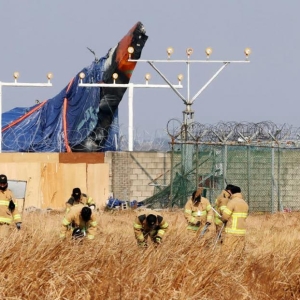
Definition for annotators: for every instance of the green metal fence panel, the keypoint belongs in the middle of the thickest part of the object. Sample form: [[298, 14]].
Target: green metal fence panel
[[262, 158], [268, 176]]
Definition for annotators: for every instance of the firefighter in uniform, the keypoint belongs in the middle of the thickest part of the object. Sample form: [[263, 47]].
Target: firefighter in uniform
[[82, 221], [199, 214], [149, 224], [220, 205], [78, 197], [8, 208], [234, 216]]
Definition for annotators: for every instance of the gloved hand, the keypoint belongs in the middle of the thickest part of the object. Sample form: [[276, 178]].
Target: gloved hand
[[92, 206], [142, 244], [198, 223], [11, 206], [207, 223], [77, 233], [158, 240], [18, 225]]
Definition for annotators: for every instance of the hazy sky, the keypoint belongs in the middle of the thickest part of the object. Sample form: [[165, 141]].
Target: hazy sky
[[39, 36]]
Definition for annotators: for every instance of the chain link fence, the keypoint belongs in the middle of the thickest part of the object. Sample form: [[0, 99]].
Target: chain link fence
[[263, 159]]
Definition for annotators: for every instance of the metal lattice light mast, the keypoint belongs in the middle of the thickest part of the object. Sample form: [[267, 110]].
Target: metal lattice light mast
[[19, 84], [188, 113], [131, 87]]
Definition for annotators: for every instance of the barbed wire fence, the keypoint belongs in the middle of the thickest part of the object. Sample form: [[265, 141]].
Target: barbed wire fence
[[115, 138], [262, 158]]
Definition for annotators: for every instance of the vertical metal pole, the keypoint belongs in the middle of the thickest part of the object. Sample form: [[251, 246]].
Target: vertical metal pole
[[273, 179], [172, 178], [248, 173], [130, 117], [280, 207], [188, 82], [225, 166], [197, 165]]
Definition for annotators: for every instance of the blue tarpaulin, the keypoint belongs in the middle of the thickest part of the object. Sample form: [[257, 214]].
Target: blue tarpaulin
[[40, 128], [114, 202], [80, 119]]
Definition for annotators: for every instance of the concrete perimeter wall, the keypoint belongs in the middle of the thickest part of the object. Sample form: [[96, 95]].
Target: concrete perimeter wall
[[134, 174]]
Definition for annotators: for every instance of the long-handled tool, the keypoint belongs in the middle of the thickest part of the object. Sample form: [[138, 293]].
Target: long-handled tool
[[216, 212], [218, 236], [204, 230]]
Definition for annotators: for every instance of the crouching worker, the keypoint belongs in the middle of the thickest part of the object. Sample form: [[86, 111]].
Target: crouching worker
[[150, 225], [78, 197], [199, 214], [220, 205], [82, 220]]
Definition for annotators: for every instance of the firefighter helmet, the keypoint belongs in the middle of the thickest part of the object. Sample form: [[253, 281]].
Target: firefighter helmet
[[76, 194], [235, 189], [228, 187], [3, 182], [196, 196], [86, 213], [151, 220]]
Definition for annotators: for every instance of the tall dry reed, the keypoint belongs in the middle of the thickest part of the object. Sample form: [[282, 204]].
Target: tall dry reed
[[36, 264]]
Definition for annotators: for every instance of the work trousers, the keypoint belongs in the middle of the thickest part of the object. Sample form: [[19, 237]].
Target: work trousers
[[4, 230], [205, 238], [233, 244]]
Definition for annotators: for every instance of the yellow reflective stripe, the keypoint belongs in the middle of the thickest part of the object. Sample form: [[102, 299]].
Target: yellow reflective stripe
[[164, 226], [208, 207], [94, 223], [5, 220], [235, 231], [188, 211], [240, 215], [137, 226], [209, 218], [218, 221], [90, 237], [160, 232], [192, 220], [17, 216], [202, 213], [4, 202], [89, 200], [65, 222], [227, 211], [222, 207], [140, 237], [234, 223], [194, 228]]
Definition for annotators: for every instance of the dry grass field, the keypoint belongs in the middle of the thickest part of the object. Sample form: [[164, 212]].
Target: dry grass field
[[35, 264]]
